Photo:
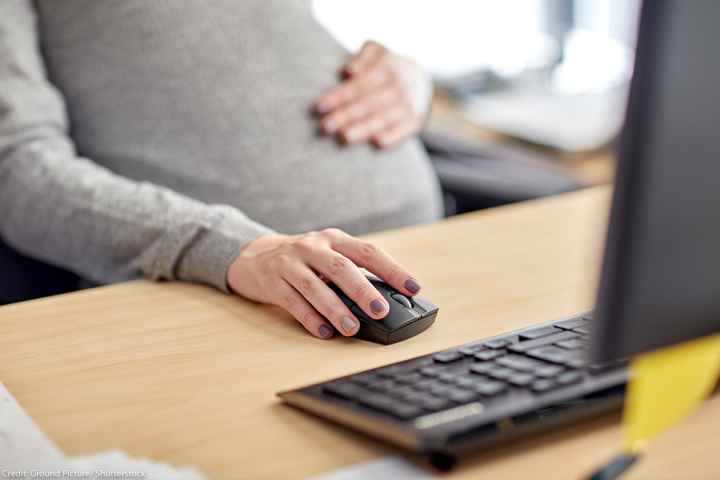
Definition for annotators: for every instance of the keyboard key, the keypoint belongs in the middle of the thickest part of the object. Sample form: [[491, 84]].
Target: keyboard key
[[576, 362], [572, 344], [405, 411], [447, 377], [489, 388], [551, 354], [461, 396], [568, 378], [431, 371], [429, 402], [365, 378], [539, 342], [377, 401], [571, 323], [440, 390], [423, 384], [548, 371], [583, 329], [489, 354], [404, 392], [542, 385], [466, 382], [483, 368], [501, 373], [383, 385], [448, 357], [520, 379], [344, 389], [498, 343], [518, 362], [471, 350], [407, 377], [416, 399], [538, 332]]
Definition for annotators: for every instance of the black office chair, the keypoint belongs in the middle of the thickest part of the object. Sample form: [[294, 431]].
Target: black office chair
[[474, 176], [22, 278]]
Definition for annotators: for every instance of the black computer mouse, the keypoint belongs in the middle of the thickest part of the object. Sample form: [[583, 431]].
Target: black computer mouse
[[408, 316]]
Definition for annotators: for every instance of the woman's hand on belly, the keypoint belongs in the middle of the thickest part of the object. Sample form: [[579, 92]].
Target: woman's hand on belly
[[384, 99], [290, 272]]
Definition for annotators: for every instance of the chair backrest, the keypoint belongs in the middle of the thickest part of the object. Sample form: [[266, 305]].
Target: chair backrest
[[22, 278]]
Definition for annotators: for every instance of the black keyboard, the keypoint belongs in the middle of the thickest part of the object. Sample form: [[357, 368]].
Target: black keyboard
[[486, 390]]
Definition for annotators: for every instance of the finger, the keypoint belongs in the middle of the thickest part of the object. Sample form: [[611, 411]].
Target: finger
[[396, 134], [325, 301], [370, 53], [373, 101], [373, 124], [346, 275], [377, 261], [304, 313], [349, 90]]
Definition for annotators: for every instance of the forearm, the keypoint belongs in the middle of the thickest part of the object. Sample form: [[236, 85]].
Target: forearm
[[71, 212]]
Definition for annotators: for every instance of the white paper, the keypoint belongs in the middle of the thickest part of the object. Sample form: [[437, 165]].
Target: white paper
[[97, 467], [394, 467], [23, 446], [26, 452]]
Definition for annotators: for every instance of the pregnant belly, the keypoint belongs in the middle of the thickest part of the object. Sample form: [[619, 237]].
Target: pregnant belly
[[358, 189], [316, 185]]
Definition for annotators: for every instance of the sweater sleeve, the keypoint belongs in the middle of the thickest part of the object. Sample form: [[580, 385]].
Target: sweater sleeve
[[67, 210]]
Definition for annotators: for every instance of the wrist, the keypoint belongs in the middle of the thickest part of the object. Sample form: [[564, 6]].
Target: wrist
[[240, 267]]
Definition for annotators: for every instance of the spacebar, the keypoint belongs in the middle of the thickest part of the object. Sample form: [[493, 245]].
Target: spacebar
[[539, 342]]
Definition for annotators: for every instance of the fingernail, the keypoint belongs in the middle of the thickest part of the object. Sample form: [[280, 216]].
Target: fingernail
[[322, 107], [377, 306], [325, 331], [348, 324], [329, 126], [412, 286]]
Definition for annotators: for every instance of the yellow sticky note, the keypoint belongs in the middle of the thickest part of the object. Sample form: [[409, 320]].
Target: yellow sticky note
[[666, 385]]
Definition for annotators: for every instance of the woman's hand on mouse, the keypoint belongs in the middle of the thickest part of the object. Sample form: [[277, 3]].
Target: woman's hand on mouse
[[384, 98], [290, 271]]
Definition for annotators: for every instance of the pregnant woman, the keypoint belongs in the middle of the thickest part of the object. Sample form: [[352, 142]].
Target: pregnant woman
[[229, 143]]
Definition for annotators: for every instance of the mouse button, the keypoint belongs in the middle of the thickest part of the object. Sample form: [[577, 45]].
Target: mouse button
[[424, 304], [383, 288], [398, 318], [377, 283], [402, 300]]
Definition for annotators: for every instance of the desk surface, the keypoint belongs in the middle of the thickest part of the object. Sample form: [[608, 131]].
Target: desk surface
[[187, 375]]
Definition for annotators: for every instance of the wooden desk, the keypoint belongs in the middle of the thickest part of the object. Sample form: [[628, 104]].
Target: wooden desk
[[188, 375]]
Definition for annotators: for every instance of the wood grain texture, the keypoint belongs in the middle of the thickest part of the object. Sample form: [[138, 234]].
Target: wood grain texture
[[184, 374]]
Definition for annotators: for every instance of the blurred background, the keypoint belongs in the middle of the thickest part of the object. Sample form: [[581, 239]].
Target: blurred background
[[529, 95]]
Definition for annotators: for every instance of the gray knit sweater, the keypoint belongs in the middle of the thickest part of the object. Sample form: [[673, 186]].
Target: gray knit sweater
[[157, 137]]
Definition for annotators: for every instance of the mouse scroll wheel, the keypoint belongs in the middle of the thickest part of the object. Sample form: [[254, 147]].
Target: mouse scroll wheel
[[402, 300]]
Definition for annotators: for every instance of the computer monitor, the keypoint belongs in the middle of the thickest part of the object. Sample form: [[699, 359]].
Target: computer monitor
[[660, 282]]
